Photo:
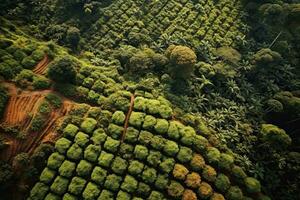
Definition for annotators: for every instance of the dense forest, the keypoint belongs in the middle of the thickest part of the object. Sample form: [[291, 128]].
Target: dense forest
[[150, 99]]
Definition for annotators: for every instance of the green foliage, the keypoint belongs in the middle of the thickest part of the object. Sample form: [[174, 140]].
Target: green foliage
[[175, 189], [123, 196], [136, 119], [129, 184], [131, 135], [105, 159], [145, 137], [162, 181], [88, 125], [67, 169], [28, 62], [226, 161], [63, 70], [140, 152], [75, 152], [118, 118], [275, 136], [143, 189], [182, 60], [213, 155], [161, 126], [62, 145], [234, 193], [47, 176], [252, 185], [99, 136], [92, 152], [39, 191], [209, 173], [135, 167], [111, 145], [167, 165], [54, 100], [149, 175], [55, 161], [171, 148], [180, 172], [81, 139], [60, 185], [70, 130], [106, 195], [84, 168], [77, 185], [98, 175], [185, 154], [154, 158], [112, 182], [119, 165], [91, 191], [3, 99], [267, 56], [222, 183]]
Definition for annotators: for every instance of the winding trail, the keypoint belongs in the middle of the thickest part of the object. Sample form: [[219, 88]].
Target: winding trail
[[128, 117]]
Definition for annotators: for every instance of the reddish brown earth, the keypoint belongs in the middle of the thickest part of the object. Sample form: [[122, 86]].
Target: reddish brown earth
[[17, 114], [127, 117], [41, 67]]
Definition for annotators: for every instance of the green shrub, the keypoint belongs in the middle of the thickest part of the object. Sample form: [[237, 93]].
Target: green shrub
[[140, 152], [154, 158], [88, 82], [266, 57], [188, 135], [209, 173], [88, 125], [37, 123], [119, 165], [252, 185], [175, 189], [238, 174], [158, 142], [131, 135], [91, 191], [92, 152], [130, 184], [99, 136], [155, 195], [161, 126], [143, 189], [38, 191], [74, 152], [167, 165], [193, 180], [111, 145], [5, 43], [149, 175], [99, 175], [145, 137], [136, 119], [70, 131], [38, 55], [28, 62], [99, 86], [55, 160], [84, 168], [105, 159], [135, 167], [6, 72], [60, 185], [180, 172], [213, 155], [118, 118], [47, 176], [222, 183], [234, 193], [165, 111], [126, 151], [51, 196], [112, 182], [68, 196], [275, 136], [149, 122], [62, 145], [173, 131], [185, 154], [140, 103], [40, 83], [226, 161], [67, 169], [182, 60], [171, 148], [162, 181], [62, 70], [123, 196], [77, 185], [200, 143], [106, 195], [205, 190], [81, 139], [153, 106]]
